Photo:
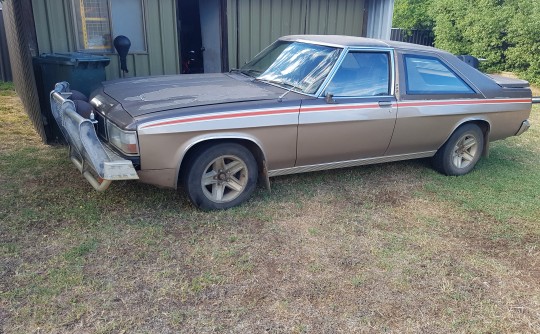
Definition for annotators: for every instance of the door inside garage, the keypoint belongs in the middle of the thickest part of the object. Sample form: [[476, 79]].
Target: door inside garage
[[200, 35]]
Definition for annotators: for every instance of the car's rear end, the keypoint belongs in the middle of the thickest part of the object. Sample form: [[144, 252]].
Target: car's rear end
[[513, 86]]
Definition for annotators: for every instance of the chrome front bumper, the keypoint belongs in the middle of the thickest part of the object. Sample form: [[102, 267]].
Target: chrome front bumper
[[98, 164]]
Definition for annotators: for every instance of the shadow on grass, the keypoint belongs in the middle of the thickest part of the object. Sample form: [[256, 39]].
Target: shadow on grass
[[47, 190], [506, 185]]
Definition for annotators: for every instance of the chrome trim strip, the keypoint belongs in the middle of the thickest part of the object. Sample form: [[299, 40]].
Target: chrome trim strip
[[349, 163], [332, 72], [392, 65], [363, 98], [305, 41]]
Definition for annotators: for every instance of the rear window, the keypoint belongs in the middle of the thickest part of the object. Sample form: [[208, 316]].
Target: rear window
[[429, 75]]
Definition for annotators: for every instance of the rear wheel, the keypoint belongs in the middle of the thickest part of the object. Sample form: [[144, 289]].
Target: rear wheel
[[221, 176], [461, 152]]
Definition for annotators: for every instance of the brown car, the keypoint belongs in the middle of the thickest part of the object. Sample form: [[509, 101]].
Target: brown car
[[305, 103]]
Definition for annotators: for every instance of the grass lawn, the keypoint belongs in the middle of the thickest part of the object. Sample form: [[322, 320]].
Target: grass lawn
[[383, 248]]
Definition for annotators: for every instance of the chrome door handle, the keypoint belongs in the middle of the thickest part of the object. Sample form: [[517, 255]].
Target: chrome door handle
[[385, 104]]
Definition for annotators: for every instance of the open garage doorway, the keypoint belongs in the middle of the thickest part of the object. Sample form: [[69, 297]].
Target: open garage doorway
[[202, 41]]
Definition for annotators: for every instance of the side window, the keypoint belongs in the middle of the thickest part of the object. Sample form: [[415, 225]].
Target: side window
[[97, 22], [362, 74], [428, 75]]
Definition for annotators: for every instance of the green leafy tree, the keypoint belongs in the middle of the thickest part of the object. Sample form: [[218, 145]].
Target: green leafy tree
[[523, 38], [504, 32], [472, 27], [412, 14]]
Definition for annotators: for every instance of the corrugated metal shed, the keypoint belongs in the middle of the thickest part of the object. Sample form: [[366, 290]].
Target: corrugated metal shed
[[379, 20], [251, 25], [247, 27], [55, 28], [5, 65], [254, 24]]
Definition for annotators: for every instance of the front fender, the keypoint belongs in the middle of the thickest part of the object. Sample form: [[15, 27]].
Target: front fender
[[183, 150]]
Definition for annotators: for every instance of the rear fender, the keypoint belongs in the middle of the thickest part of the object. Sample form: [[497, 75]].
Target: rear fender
[[485, 126]]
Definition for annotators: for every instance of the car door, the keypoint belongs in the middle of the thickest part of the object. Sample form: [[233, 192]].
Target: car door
[[354, 116], [434, 100]]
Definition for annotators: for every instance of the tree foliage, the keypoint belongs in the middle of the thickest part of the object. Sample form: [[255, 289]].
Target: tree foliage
[[504, 32], [523, 38], [412, 14], [472, 27]]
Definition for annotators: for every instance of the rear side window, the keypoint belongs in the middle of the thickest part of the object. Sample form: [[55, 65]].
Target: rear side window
[[428, 75]]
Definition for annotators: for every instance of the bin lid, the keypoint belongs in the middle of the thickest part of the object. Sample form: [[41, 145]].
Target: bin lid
[[72, 58]]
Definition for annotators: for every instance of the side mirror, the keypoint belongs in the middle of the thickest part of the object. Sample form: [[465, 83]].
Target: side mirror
[[329, 98]]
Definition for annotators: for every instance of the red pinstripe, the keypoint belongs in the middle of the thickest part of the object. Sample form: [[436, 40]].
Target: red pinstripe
[[330, 108], [212, 117]]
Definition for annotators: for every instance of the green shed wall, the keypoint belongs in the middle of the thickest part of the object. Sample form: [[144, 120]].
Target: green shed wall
[[251, 26], [254, 24], [55, 30]]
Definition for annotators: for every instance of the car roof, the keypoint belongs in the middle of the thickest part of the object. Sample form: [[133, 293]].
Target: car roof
[[353, 41]]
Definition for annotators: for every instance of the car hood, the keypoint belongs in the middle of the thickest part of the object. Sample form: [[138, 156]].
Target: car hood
[[140, 96]]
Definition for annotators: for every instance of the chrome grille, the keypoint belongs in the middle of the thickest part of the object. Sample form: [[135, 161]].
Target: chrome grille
[[101, 127]]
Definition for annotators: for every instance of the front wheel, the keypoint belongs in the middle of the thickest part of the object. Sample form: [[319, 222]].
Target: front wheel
[[221, 176], [461, 152]]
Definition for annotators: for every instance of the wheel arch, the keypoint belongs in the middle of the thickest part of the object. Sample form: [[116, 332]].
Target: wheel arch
[[482, 123], [199, 143]]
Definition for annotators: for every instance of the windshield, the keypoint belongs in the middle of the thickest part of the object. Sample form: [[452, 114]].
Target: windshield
[[299, 66]]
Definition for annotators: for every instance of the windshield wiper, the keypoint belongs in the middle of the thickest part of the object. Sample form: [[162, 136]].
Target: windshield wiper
[[280, 98], [236, 70], [247, 72], [284, 84]]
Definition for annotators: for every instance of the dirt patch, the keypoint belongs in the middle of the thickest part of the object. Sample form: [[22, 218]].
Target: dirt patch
[[482, 267]]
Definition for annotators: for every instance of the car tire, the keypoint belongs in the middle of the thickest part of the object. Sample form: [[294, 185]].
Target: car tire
[[461, 152], [221, 176]]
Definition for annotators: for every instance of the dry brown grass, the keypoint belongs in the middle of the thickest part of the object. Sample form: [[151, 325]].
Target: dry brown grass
[[15, 127], [371, 249]]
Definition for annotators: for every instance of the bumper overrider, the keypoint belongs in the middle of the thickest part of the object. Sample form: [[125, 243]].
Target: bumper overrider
[[97, 163]]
